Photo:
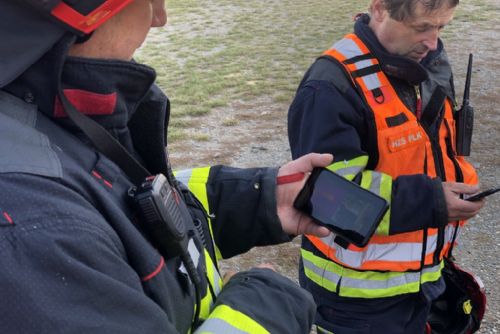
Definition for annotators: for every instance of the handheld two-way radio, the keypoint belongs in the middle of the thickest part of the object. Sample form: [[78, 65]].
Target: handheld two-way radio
[[465, 118], [164, 214]]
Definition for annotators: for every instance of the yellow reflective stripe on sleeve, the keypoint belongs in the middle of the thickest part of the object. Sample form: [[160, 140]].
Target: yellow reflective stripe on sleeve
[[366, 181], [380, 184], [226, 320], [196, 180], [215, 282], [360, 161], [349, 168], [364, 284], [386, 193], [213, 274], [321, 330]]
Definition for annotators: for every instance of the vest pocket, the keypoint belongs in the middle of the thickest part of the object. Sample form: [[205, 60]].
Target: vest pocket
[[405, 140]]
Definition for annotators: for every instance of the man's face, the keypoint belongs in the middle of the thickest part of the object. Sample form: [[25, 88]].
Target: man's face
[[413, 37], [123, 34]]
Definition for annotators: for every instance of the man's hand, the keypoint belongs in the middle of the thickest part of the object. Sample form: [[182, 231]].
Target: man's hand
[[293, 221], [459, 209]]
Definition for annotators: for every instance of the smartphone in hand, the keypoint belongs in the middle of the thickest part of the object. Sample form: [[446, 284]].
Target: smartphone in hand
[[342, 206], [482, 194]]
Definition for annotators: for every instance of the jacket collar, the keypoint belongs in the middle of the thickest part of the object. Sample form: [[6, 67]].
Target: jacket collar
[[109, 91]]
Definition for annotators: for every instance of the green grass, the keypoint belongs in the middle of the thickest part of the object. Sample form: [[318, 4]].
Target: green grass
[[214, 52]]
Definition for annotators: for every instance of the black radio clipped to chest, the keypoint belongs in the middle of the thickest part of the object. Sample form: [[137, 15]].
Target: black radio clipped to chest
[[164, 218], [163, 214]]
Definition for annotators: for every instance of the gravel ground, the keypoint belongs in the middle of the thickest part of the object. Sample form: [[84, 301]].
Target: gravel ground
[[259, 139]]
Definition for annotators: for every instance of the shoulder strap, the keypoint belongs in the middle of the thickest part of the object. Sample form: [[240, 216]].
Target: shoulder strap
[[105, 142], [327, 68]]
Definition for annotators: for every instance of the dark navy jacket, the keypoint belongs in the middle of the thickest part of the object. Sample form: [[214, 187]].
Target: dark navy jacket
[[73, 255]]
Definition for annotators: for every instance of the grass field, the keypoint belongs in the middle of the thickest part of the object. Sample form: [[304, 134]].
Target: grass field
[[212, 52]]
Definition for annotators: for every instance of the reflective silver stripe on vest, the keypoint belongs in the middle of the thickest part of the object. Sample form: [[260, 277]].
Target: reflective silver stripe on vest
[[215, 325], [394, 252], [194, 254], [321, 272], [376, 183], [403, 279], [349, 49], [216, 280], [352, 170], [449, 232], [184, 176]]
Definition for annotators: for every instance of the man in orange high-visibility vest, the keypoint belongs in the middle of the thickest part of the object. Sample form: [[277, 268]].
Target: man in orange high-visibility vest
[[382, 101]]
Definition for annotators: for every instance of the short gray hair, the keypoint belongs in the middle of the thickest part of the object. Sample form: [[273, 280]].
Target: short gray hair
[[400, 10]]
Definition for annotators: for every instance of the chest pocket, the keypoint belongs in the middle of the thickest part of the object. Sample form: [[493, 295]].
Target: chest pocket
[[408, 138], [403, 145]]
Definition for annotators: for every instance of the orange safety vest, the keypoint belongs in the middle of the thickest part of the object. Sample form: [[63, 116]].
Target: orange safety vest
[[404, 148]]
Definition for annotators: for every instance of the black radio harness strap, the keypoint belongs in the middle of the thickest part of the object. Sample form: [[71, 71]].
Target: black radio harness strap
[[166, 228], [105, 142]]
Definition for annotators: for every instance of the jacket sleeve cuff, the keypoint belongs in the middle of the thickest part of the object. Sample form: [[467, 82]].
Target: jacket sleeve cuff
[[270, 208], [441, 209], [243, 202]]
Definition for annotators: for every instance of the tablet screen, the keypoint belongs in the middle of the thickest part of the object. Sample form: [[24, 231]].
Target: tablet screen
[[347, 209]]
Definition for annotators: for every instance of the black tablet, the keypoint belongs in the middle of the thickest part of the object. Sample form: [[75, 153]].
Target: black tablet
[[344, 207]]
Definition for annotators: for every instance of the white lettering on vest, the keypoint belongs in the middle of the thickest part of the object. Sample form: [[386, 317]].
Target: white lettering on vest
[[398, 142], [412, 137]]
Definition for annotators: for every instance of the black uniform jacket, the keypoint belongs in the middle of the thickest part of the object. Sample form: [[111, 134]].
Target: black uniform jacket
[[73, 255]]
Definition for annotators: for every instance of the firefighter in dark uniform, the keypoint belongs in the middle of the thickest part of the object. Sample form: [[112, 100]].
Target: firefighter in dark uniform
[[97, 235], [382, 100]]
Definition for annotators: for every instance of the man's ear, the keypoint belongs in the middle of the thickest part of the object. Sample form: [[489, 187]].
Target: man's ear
[[378, 11]]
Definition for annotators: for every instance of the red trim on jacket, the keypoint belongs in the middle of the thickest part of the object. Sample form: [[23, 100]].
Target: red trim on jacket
[[86, 102], [88, 23], [155, 272]]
